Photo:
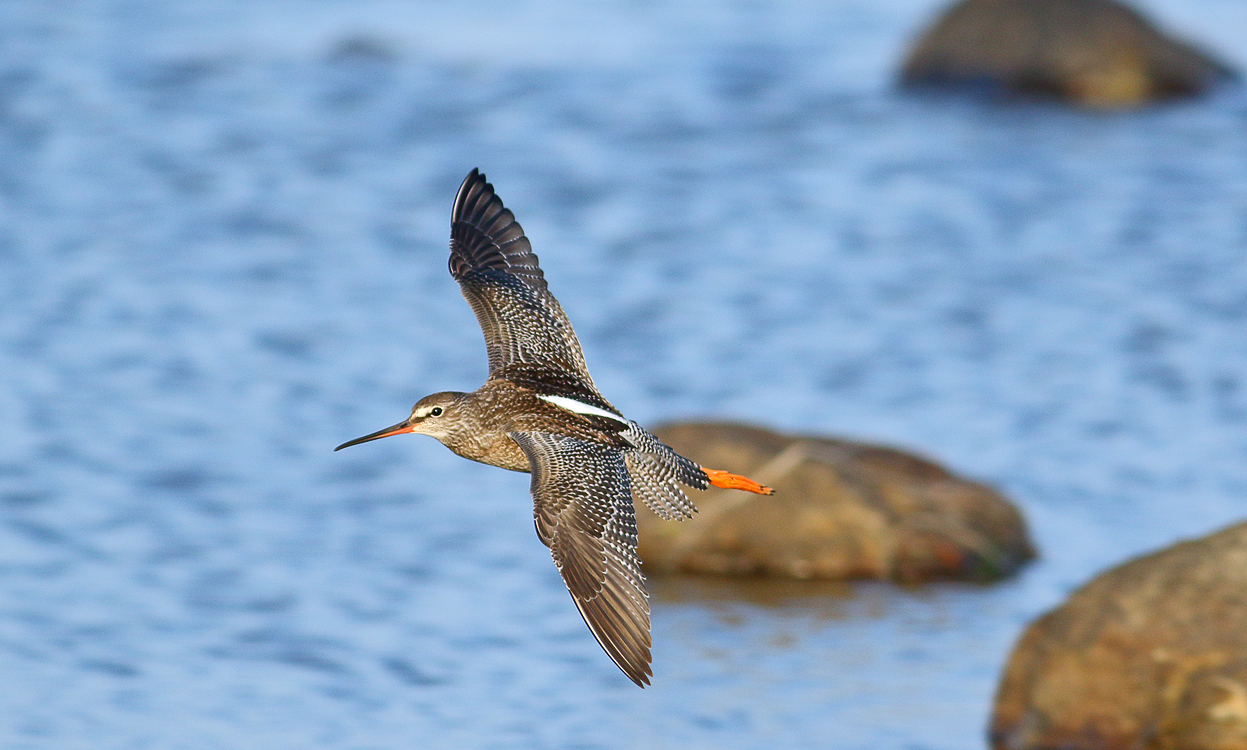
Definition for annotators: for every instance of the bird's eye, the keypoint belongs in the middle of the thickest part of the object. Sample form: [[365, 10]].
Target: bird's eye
[[436, 411]]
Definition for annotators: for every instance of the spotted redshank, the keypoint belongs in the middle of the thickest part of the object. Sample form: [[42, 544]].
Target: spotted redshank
[[539, 412]]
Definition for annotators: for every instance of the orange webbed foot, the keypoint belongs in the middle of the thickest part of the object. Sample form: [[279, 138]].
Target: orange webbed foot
[[730, 481]]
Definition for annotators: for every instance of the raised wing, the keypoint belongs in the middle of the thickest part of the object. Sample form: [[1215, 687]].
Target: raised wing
[[582, 506], [498, 273]]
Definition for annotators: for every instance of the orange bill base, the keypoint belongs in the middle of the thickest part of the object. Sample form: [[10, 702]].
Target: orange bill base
[[729, 481]]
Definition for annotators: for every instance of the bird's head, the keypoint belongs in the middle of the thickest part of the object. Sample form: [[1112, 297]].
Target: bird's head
[[435, 415]]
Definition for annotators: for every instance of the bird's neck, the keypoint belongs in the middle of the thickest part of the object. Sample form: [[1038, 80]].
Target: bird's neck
[[481, 435]]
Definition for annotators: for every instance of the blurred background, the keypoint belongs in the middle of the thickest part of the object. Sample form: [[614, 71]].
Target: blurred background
[[223, 235]]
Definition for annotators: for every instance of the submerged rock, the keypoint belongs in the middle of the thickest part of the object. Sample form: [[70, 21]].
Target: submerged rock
[[1151, 654], [841, 510], [1093, 52]]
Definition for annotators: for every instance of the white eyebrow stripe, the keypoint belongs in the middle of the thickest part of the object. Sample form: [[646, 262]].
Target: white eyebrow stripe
[[572, 404]]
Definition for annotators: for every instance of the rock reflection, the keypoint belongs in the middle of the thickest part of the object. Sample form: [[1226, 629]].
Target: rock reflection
[[761, 592]]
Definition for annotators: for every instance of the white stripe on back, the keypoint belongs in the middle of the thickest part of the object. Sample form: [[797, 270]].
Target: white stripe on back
[[572, 404]]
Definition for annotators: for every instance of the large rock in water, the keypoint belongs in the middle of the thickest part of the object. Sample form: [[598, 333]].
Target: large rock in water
[[1092, 52], [841, 510], [1152, 654]]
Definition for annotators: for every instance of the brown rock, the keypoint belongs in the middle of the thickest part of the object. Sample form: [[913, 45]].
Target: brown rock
[[841, 510], [1097, 53], [1151, 654]]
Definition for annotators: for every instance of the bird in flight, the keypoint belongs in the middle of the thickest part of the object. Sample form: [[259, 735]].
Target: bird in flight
[[539, 412]]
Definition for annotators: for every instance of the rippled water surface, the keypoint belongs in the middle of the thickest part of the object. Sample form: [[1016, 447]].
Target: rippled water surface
[[222, 252]]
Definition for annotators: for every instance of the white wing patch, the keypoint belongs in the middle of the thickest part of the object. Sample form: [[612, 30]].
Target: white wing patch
[[572, 404]]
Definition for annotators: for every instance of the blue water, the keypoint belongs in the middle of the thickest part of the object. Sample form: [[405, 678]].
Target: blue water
[[222, 252]]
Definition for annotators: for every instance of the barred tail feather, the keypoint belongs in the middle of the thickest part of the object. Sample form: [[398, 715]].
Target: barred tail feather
[[656, 484]]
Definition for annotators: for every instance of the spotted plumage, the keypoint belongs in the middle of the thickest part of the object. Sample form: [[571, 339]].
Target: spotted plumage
[[540, 412]]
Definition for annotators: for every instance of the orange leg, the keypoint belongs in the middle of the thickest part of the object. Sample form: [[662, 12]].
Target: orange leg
[[731, 481]]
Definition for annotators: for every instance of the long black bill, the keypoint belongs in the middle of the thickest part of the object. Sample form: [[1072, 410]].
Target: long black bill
[[398, 429]]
